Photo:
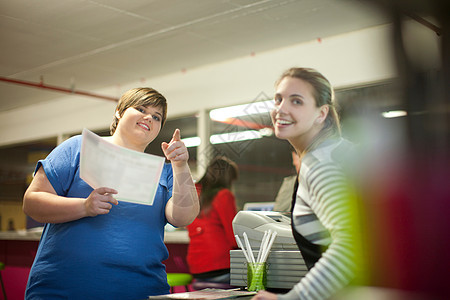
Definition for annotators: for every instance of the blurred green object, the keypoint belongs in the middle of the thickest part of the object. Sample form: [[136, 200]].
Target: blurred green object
[[256, 276], [179, 279]]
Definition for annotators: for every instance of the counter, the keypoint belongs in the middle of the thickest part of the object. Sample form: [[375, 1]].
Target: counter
[[22, 235], [178, 236]]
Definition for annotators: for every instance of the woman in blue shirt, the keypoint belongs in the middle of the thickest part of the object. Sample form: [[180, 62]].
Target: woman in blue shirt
[[92, 246]]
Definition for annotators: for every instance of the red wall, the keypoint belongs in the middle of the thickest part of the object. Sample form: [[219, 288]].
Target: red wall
[[18, 257]]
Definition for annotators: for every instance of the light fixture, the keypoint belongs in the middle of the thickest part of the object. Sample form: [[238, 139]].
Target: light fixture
[[192, 141], [237, 136], [230, 137], [222, 114], [394, 114], [226, 113]]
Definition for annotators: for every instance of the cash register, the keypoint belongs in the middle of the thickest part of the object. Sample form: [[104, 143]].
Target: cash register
[[285, 264]]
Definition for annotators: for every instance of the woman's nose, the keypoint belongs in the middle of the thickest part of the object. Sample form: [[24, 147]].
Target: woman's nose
[[281, 107], [149, 117]]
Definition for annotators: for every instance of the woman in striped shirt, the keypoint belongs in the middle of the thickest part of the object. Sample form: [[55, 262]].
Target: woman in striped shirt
[[323, 217]]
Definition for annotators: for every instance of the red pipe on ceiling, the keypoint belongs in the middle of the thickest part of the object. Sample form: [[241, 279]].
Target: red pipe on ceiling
[[56, 88]]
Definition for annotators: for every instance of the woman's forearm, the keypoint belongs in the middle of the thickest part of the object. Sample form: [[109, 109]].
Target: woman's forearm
[[42, 203], [46, 207], [184, 205]]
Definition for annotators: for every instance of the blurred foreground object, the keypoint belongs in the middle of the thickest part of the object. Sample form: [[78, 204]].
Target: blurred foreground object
[[406, 185]]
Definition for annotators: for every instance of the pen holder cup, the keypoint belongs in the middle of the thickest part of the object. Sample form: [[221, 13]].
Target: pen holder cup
[[256, 276]]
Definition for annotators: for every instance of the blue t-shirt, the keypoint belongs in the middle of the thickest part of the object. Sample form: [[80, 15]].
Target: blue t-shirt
[[114, 256]]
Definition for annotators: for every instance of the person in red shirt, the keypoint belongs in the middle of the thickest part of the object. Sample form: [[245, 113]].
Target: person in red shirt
[[211, 234]]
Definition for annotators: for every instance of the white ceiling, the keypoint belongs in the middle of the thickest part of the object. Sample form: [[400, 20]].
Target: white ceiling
[[96, 44]]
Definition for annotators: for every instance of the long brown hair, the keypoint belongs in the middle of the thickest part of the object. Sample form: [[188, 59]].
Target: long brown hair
[[220, 174]]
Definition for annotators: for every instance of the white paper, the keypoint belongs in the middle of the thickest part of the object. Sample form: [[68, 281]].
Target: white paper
[[134, 175]]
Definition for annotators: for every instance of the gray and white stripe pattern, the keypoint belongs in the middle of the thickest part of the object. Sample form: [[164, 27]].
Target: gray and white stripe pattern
[[322, 214]]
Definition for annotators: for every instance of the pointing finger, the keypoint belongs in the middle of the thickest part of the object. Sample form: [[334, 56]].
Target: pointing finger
[[176, 135]]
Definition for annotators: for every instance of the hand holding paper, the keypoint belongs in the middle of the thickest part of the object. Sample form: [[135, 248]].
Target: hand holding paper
[[175, 150], [100, 201], [134, 175]]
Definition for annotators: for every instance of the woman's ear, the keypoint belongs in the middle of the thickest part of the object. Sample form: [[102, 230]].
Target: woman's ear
[[322, 114]]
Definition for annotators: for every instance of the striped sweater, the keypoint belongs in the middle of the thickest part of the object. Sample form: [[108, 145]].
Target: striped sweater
[[323, 215]]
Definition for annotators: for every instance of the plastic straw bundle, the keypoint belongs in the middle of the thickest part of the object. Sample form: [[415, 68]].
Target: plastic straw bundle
[[264, 249]]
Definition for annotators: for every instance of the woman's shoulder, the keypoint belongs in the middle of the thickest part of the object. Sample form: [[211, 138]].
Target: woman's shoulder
[[224, 195], [224, 200], [68, 148], [333, 158], [73, 141], [225, 191], [329, 151]]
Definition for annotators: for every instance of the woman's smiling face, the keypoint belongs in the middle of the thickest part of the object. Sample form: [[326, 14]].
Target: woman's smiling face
[[140, 125], [296, 117]]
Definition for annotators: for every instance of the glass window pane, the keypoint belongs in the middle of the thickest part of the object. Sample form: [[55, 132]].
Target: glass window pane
[[188, 128], [263, 159]]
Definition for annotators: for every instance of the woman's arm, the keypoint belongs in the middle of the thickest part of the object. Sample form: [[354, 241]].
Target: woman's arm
[[41, 202], [333, 207], [184, 205]]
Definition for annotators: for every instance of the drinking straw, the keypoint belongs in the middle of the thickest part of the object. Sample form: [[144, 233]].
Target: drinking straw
[[249, 248], [269, 246], [261, 247], [238, 240], [265, 244]]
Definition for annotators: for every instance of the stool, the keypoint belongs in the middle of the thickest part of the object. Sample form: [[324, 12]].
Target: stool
[[179, 279], [200, 285], [2, 266]]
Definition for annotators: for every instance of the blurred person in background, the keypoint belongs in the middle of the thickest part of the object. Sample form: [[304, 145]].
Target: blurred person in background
[[211, 234], [283, 200]]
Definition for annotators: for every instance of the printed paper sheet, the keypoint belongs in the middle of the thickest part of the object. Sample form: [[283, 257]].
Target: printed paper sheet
[[135, 175]]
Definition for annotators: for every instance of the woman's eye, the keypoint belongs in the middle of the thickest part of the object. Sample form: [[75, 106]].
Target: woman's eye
[[140, 109], [277, 101], [297, 101], [156, 118]]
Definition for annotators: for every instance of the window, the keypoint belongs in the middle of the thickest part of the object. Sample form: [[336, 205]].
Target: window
[[247, 139], [188, 128]]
